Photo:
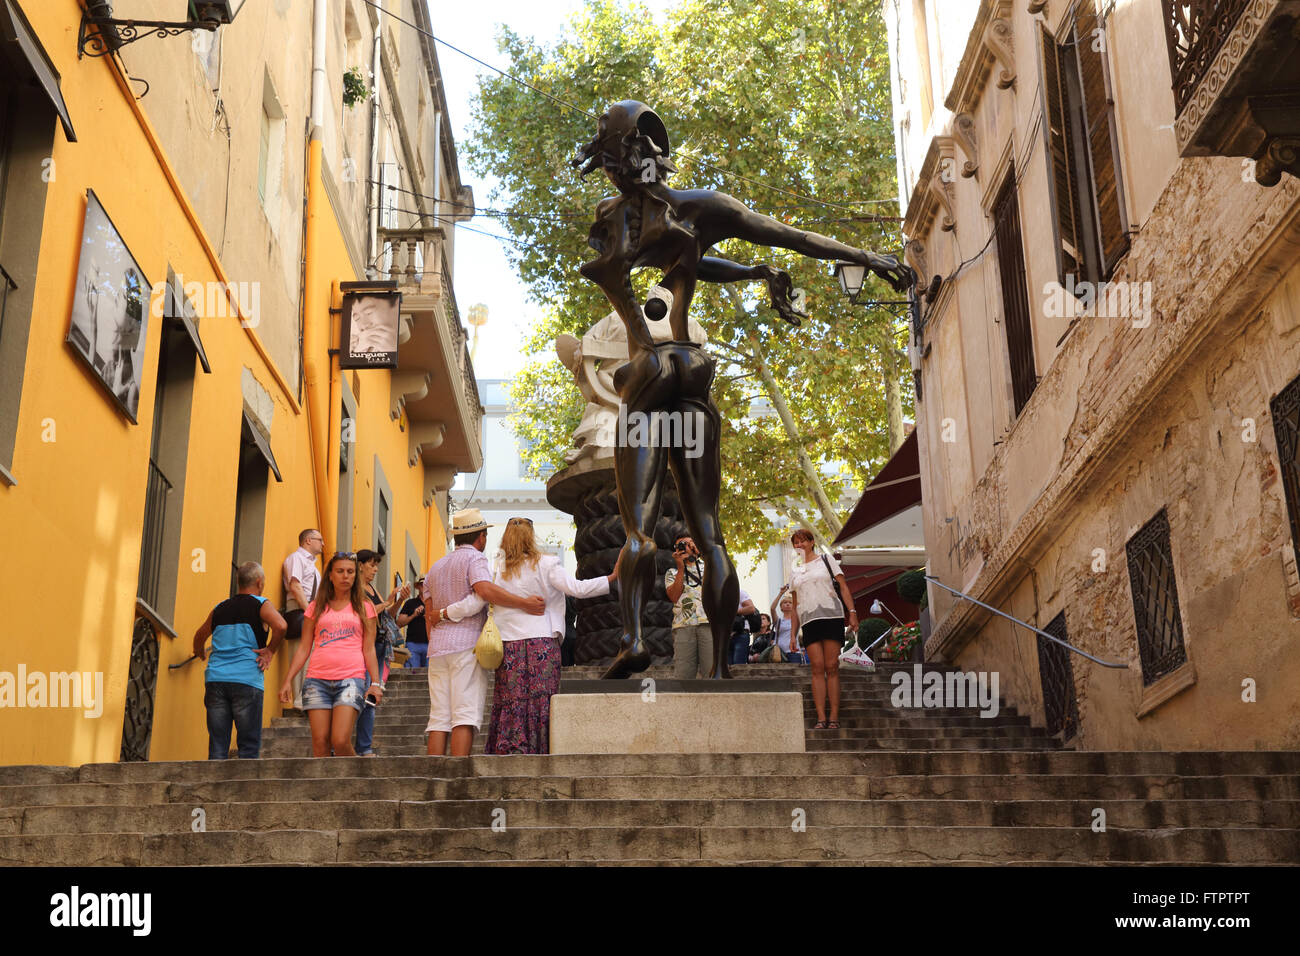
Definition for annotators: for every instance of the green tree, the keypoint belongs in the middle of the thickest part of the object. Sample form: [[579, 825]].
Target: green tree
[[781, 103]]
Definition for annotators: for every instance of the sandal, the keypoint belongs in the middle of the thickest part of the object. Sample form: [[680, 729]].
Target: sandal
[[820, 725], [833, 725]]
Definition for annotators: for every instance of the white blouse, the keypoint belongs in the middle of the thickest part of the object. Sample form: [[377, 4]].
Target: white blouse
[[548, 579], [816, 592]]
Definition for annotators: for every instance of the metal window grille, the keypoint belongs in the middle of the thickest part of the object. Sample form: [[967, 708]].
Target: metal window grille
[[151, 541], [1155, 600], [142, 680], [1059, 700]]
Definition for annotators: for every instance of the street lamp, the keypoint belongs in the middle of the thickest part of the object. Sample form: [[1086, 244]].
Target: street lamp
[[850, 275], [111, 33], [877, 607]]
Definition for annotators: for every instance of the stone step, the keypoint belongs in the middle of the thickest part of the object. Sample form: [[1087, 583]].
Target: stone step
[[386, 814], [1061, 761], [777, 786], [1192, 845]]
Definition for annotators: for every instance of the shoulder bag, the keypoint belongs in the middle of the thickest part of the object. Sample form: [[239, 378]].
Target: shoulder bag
[[489, 650], [835, 586]]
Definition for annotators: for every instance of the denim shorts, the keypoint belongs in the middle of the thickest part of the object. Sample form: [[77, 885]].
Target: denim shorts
[[320, 694]]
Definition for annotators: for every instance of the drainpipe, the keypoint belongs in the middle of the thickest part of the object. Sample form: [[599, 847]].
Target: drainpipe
[[320, 372], [376, 194]]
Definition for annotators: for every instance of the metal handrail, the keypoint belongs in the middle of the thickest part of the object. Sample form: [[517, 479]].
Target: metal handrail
[[1016, 620]]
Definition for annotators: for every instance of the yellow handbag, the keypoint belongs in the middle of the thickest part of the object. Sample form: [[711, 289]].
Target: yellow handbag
[[488, 649]]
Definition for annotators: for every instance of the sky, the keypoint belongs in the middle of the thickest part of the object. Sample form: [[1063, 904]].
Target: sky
[[481, 272]]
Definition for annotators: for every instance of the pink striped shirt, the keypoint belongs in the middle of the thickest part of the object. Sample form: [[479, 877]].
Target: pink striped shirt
[[449, 580]]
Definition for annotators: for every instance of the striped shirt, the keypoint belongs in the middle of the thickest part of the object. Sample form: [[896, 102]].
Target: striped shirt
[[451, 579]]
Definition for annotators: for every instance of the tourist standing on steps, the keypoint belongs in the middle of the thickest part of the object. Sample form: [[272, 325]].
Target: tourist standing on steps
[[411, 617], [457, 685], [233, 679], [786, 639], [820, 594], [692, 635], [530, 670], [300, 579], [339, 634], [385, 634]]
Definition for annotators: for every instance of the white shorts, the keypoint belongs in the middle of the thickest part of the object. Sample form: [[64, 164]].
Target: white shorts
[[457, 691]]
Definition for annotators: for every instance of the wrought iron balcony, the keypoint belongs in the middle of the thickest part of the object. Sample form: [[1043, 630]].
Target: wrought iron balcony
[[1235, 66]]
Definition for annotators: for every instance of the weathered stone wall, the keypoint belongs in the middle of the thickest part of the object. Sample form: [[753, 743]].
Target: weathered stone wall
[[1164, 405]]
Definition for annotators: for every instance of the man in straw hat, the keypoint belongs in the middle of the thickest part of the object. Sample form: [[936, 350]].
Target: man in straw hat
[[457, 685]]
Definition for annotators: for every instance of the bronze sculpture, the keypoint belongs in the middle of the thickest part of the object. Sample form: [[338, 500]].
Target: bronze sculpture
[[649, 225]]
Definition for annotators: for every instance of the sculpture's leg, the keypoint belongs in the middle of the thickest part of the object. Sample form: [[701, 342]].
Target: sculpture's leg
[[699, 484], [639, 469]]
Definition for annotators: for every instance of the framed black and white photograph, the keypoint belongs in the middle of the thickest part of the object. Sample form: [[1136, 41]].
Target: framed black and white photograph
[[110, 309], [371, 317]]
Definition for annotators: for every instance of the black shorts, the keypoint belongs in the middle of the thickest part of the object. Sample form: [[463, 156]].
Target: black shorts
[[826, 629], [294, 620]]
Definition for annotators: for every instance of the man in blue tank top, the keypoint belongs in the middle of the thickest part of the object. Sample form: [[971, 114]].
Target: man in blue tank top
[[240, 654]]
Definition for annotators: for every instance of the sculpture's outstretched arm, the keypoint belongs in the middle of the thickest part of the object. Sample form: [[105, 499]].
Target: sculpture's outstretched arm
[[730, 218], [779, 286]]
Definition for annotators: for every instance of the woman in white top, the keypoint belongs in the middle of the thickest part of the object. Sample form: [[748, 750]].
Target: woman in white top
[[817, 586], [530, 671]]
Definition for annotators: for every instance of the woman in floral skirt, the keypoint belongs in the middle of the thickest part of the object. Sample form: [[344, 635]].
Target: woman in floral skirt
[[530, 671]]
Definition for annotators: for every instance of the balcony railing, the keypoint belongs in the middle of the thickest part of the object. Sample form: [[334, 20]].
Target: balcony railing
[[410, 253], [1195, 31], [151, 542]]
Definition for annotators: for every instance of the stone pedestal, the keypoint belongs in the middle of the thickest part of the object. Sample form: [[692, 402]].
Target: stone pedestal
[[676, 717], [586, 490]]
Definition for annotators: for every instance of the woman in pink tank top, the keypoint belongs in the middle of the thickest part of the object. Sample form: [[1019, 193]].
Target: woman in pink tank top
[[338, 632]]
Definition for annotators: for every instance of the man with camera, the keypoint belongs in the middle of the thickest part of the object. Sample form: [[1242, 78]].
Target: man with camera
[[692, 635]]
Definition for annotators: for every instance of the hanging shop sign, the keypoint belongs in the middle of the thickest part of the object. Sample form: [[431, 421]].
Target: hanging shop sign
[[371, 319]]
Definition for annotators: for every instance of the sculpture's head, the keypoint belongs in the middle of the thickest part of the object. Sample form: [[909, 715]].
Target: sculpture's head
[[631, 146]]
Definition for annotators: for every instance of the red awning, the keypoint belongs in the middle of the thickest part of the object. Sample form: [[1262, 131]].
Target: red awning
[[896, 488]]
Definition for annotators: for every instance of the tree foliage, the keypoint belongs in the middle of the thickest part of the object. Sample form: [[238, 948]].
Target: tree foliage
[[792, 94]]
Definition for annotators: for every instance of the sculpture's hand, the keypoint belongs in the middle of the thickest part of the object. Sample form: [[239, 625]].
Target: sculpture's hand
[[781, 289], [897, 274]]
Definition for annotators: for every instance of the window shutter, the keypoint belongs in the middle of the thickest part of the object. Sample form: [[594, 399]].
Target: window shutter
[[1015, 297], [1089, 47], [1064, 184]]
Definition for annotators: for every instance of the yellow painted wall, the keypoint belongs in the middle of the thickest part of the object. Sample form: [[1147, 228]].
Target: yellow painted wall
[[71, 527]]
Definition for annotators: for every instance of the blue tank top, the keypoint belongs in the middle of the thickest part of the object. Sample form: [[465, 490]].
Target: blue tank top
[[237, 633]]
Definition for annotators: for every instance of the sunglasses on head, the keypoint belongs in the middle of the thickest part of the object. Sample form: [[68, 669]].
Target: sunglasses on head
[[527, 521], [349, 555]]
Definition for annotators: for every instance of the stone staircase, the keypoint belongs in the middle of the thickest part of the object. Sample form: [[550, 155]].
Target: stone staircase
[[907, 787], [868, 721]]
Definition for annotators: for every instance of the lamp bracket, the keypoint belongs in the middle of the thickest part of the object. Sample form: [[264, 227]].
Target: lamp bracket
[[128, 31]]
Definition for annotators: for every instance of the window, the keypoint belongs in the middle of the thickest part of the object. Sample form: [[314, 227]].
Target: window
[[263, 155], [27, 130], [1015, 296], [1060, 703], [1286, 426], [1085, 176], [1155, 600], [270, 152]]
